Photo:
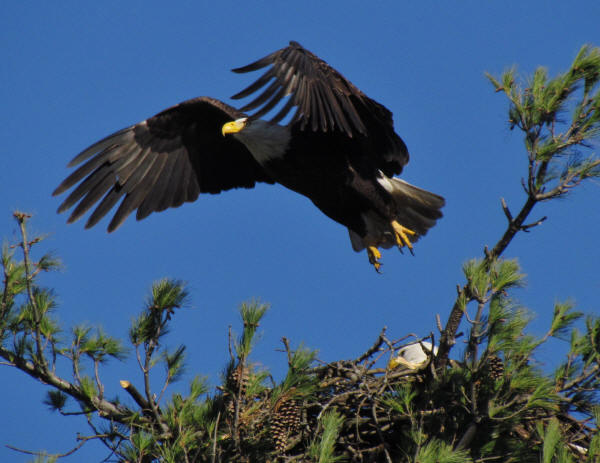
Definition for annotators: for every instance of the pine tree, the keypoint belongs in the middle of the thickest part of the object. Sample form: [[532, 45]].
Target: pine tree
[[490, 403]]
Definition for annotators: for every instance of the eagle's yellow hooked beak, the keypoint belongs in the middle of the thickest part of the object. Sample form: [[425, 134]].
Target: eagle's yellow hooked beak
[[234, 126]]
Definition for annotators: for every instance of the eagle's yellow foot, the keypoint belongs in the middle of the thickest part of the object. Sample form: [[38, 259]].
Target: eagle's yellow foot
[[374, 256], [401, 235]]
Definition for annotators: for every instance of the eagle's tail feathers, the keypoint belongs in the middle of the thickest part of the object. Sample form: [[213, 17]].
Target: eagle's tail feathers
[[416, 209]]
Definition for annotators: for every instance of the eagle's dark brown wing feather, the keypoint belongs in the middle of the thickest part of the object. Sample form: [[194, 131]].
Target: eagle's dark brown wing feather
[[324, 101], [312, 85], [159, 163]]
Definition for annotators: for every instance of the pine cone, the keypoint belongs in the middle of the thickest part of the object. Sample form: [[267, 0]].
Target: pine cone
[[238, 380], [285, 422], [495, 367], [279, 436]]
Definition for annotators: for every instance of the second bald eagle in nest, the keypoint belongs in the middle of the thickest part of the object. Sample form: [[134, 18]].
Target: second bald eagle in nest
[[339, 149]]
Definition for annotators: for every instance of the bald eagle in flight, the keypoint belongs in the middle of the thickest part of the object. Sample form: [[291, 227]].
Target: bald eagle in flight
[[339, 149]]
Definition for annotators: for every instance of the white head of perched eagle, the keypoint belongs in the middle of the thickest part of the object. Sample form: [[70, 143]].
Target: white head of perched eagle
[[339, 149]]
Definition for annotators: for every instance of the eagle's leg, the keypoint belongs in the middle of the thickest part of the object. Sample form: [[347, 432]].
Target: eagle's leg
[[374, 256], [401, 233]]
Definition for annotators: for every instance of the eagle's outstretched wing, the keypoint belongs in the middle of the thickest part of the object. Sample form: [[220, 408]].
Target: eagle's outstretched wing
[[161, 162], [325, 101]]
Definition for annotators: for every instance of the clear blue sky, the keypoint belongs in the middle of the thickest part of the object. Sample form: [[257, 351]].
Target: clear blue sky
[[73, 73]]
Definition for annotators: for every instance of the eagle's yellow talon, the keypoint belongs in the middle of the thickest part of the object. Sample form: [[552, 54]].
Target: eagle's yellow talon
[[374, 256], [401, 235]]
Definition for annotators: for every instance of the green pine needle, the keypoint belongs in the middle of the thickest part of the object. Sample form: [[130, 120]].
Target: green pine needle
[[49, 262], [477, 276], [299, 382], [198, 387], [552, 438], [402, 399], [251, 313], [506, 274], [322, 450], [80, 334], [101, 346], [563, 319], [88, 387], [142, 441], [594, 450], [174, 363], [436, 451], [168, 294], [44, 459], [55, 400]]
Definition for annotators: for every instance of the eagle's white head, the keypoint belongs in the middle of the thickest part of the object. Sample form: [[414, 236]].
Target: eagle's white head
[[265, 140]]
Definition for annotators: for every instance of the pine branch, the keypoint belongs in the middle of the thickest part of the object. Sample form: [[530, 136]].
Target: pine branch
[[136, 395], [535, 111], [82, 441], [25, 245], [105, 408]]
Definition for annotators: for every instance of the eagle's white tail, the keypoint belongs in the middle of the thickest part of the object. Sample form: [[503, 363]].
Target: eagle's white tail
[[416, 209]]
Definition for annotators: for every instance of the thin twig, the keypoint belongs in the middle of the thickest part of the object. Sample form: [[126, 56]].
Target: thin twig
[[241, 366], [288, 351], [526, 227], [214, 446], [375, 347], [98, 382], [37, 316], [506, 210], [149, 348], [82, 440], [230, 339]]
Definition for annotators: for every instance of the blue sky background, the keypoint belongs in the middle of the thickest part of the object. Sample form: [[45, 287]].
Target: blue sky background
[[73, 72]]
